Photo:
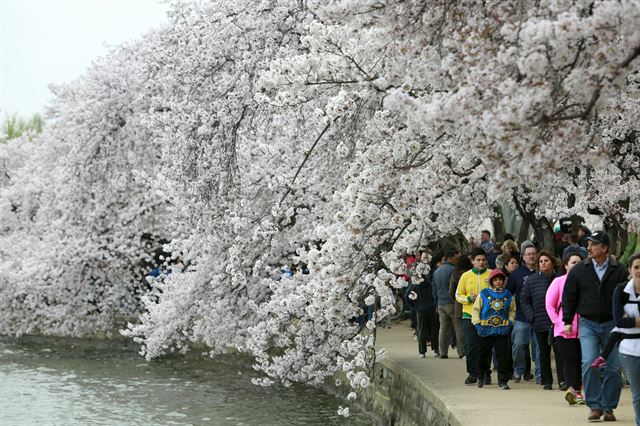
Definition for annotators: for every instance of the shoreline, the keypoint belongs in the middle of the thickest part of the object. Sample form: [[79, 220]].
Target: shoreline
[[408, 390]]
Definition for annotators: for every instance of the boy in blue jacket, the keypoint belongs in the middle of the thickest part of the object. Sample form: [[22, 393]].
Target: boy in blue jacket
[[493, 314]]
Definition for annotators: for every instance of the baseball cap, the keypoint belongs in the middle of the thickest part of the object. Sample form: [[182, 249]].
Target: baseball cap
[[599, 237]]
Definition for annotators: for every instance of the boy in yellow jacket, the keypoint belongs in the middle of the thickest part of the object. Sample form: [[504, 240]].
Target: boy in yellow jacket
[[469, 287]]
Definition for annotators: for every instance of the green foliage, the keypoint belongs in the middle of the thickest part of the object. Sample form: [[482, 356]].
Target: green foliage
[[14, 126]]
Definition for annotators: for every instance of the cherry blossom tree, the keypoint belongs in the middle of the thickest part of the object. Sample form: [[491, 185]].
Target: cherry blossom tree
[[335, 133]]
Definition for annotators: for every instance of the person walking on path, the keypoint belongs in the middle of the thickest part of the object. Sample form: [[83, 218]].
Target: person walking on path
[[462, 265], [446, 311], [521, 333], [588, 291], [533, 307], [485, 241], [421, 299], [626, 314], [471, 284], [568, 344], [493, 314]]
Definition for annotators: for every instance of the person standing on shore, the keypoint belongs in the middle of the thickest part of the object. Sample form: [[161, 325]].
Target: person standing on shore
[[626, 314], [533, 307], [493, 314], [568, 344], [446, 312], [462, 265], [521, 334], [471, 284], [588, 291]]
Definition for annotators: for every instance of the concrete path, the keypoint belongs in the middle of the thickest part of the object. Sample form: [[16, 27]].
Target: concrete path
[[525, 404]]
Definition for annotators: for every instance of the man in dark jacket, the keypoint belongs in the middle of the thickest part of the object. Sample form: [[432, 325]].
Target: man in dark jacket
[[589, 292], [445, 307], [521, 334]]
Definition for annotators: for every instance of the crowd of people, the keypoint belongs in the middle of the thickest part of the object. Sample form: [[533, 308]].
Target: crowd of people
[[511, 305]]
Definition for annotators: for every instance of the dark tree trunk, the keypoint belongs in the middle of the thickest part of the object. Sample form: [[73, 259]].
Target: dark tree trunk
[[544, 234], [497, 220], [542, 228], [523, 232], [617, 230]]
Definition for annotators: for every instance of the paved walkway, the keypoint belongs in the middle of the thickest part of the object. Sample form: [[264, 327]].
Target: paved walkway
[[525, 404]]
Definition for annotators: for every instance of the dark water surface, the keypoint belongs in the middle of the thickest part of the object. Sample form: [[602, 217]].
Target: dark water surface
[[46, 381]]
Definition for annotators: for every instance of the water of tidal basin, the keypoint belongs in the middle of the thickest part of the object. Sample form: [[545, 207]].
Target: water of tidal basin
[[88, 382]]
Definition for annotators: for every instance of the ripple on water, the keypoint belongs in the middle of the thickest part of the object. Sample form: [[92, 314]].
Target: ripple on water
[[79, 382]]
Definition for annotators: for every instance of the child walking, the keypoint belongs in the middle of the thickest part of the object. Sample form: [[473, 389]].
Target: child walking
[[493, 313]]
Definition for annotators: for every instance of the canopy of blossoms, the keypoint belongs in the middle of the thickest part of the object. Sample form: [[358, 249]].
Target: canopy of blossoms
[[243, 136]]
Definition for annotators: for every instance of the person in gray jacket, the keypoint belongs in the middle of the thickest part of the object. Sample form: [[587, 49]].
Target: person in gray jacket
[[445, 304]]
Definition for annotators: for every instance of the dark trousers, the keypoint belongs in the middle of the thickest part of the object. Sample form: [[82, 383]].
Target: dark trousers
[[545, 359], [471, 340], [502, 347], [427, 328], [571, 360]]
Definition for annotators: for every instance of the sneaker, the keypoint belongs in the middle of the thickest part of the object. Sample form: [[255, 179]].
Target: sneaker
[[580, 399], [517, 378], [563, 386], [609, 416], [470, 380], [547, 387], [480, 381], [571, 397], [504, 385], [594, 415], [422, 355], [527, 376], [599, 363]]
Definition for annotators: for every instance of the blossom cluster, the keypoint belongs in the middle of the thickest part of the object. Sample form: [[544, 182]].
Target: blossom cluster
[[340, 134]]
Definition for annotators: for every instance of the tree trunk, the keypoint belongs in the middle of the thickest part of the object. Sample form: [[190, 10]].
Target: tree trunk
[[523, 233], [456, 241], [542, 228], [497, 220], [544, 235], [618, 230]]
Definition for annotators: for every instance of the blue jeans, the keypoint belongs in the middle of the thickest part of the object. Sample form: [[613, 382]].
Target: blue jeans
[[631, 365], [600, 393], [535, 356], [520, 337]]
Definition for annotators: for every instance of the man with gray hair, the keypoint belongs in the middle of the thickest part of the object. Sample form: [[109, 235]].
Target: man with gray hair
[[588, 292], [521, 334]]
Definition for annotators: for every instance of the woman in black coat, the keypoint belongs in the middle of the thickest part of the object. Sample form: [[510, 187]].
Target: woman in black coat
[[532, 304]]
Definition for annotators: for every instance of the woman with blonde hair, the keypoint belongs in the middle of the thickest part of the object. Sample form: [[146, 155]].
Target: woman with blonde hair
[[509, 247]]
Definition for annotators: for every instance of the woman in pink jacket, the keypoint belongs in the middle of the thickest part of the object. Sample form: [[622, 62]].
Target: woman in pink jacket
[[568, 345]]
